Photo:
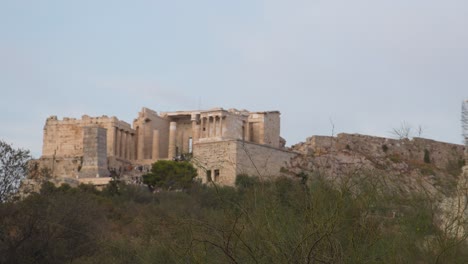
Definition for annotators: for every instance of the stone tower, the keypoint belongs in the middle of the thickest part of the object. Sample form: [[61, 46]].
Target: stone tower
[[94, 153]]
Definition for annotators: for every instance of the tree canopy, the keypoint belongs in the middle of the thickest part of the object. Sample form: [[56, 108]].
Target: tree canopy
[[169, 175]]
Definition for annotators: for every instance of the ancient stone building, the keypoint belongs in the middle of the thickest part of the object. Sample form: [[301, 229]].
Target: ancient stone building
[[223, 144]]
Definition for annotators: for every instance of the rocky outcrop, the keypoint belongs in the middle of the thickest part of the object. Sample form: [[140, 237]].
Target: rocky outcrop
[[406, 165], [453, 216]]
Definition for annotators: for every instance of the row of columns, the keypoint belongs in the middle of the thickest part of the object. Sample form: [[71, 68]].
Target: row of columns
[[124, 144], [211, 126]]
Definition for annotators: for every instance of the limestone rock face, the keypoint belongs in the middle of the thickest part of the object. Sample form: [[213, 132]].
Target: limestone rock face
[[405, 165]]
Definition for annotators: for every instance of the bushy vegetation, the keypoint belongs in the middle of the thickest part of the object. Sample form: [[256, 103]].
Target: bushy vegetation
[[170, 175], [283, 221]]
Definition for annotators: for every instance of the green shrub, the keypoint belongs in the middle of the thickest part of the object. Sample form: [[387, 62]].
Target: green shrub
[[170, 175], [245, 181], [454, 166], [384, 148], [427, 158]]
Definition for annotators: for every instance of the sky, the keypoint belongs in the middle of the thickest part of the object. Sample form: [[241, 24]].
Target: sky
[[329, 66]]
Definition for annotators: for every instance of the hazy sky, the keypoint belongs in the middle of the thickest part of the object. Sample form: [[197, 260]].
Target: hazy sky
[[364, 65]]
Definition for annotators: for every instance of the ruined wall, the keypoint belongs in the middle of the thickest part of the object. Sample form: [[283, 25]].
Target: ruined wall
[[217, 155], [264, 128], [64, 138], [65, 167], [95, 155], [233, 157], [184, 132], [233, 126], [261, 160], [255, 128], [147, 122], [272, 129]]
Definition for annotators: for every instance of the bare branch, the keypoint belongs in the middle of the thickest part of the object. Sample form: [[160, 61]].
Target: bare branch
[[13, 168]]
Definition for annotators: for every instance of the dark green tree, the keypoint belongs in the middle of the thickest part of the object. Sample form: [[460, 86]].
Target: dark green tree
[[170, 175]]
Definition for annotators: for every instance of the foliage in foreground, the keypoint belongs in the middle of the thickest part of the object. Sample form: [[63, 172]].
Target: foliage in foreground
[[13, 166], [170, 175], [277, 222]]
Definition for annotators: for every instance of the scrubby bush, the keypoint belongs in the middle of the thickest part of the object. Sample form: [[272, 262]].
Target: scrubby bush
[[170, 175], [280, 221]]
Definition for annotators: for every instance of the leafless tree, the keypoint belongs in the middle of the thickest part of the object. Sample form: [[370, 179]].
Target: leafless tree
[[13, 168], [404, 131]]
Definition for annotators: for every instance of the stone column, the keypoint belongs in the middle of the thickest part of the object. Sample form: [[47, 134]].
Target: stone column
[[221, 126], [140, 143], [124, 144], [155, 153], [118, 139], [195, 130], [247, 131], [214, 126], [114, 142], [195, 127], [208, 127], [172, 139], [129, 145]]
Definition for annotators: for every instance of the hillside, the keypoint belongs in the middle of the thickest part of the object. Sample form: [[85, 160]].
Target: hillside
[[404, 165]]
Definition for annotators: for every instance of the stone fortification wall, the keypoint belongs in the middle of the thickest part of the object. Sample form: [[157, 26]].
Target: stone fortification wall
[[95, 155], [50, 167], [220, 156], [261, 160], [224, 160], [64, 138]]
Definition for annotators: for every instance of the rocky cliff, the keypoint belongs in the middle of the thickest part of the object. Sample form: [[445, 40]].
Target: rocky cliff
[[404, 165]]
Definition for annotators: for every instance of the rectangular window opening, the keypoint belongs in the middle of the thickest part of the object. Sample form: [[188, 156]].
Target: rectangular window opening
[[216, 175], [208, 176]]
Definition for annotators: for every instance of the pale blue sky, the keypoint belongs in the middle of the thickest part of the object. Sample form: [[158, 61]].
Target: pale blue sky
[[366, 65]]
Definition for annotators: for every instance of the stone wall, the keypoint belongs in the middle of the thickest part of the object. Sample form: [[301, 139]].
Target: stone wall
[[261, 160], [224, 160], [184, 132], [64, 138], [272, 129], [95, 155], [209, 157], [233, 126], [145, 125]]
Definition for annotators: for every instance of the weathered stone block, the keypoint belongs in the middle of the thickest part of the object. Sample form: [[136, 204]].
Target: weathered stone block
[[94, 153]]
